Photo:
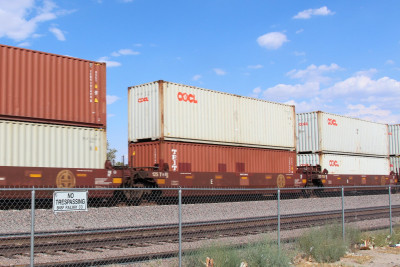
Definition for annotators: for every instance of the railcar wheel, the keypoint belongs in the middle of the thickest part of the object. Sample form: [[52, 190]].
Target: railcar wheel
[[307, 193], [135, 197]]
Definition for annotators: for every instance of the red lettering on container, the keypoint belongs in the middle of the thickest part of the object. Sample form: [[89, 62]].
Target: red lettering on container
[[303, 124], [144, 99], [191, 98], [332, 122], [333, 163]]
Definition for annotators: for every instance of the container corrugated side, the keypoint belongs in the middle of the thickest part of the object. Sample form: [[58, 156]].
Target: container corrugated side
[[42, 87], [190, 114], [346, 164], [307, 130], [395, 164], [325, 132], [394, 139], [46, 145], [192, 157]]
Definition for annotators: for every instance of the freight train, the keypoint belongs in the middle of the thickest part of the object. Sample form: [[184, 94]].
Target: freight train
[[53, 134]]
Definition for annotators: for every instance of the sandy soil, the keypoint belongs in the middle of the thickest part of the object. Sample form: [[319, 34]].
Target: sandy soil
[[378, 257]]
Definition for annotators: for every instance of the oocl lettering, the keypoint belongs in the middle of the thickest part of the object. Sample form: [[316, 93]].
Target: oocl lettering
[[191, 98], [333, 163], [143, 99], [332, 122]]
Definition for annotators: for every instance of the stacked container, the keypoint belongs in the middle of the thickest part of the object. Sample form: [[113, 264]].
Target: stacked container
[[342, 145], [52, 110], [180, 126], [394, 147]]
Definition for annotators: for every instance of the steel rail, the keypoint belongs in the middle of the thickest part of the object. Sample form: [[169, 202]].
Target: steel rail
[[50, 242]]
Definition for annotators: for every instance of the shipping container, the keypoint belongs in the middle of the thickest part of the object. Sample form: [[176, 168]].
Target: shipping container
[[346, 164], [394, 140], [176, 112], [329, 133], [395, 164], [47, 145], [196, 157], [48, 88]]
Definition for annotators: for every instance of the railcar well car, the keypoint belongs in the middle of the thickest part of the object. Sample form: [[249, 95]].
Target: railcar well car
[[53, 134]]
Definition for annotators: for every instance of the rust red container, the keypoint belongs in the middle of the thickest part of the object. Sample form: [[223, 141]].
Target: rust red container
[[42, 87], [193, 157]]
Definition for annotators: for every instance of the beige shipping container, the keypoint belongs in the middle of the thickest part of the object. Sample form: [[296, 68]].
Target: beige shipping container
[[394, 140], [346, 164], [169, 111], [329, 133], [46, 145], [395, 164]]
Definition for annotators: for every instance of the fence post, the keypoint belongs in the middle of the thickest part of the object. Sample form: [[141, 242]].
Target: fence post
[[180, 227], [390, 210], [32, 227], [343, 229], [279, 218]]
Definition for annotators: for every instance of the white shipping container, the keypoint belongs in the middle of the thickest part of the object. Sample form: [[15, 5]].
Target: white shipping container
[[346, 164], [324, 132], [395, 164], [394, 140], [170, 111], [46, 145]]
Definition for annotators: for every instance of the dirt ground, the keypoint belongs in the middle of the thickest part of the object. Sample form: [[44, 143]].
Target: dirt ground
[[377, 257]]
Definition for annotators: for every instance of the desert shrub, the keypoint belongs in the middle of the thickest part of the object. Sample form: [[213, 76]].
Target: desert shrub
[[222, 256], [257, 254], [326, 244], [265, 253]]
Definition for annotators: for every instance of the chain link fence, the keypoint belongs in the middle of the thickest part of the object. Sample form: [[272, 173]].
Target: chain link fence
[[169, 227]]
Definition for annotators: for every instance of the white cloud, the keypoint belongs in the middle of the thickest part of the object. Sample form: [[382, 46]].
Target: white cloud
[[359, 95], [124, 52], [306, 106], [372, 113], [299, 54], [219, 72], [368, 73], [256, 92], [109, 63], [24, 44], [284, 92], [196, 77], [364, 86], [299, 31], [258, 66], [272, 40], [112, 99], [306, 14], [57, 33], [389, 62], [314, 73], [19, 19]]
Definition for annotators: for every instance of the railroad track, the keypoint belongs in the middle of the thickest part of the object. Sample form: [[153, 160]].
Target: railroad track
[[144, 236]]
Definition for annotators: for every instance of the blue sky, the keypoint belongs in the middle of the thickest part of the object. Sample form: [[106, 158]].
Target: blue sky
[[339, 56]]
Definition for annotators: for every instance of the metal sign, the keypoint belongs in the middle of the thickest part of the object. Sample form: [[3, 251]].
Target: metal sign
[[70, 201]]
